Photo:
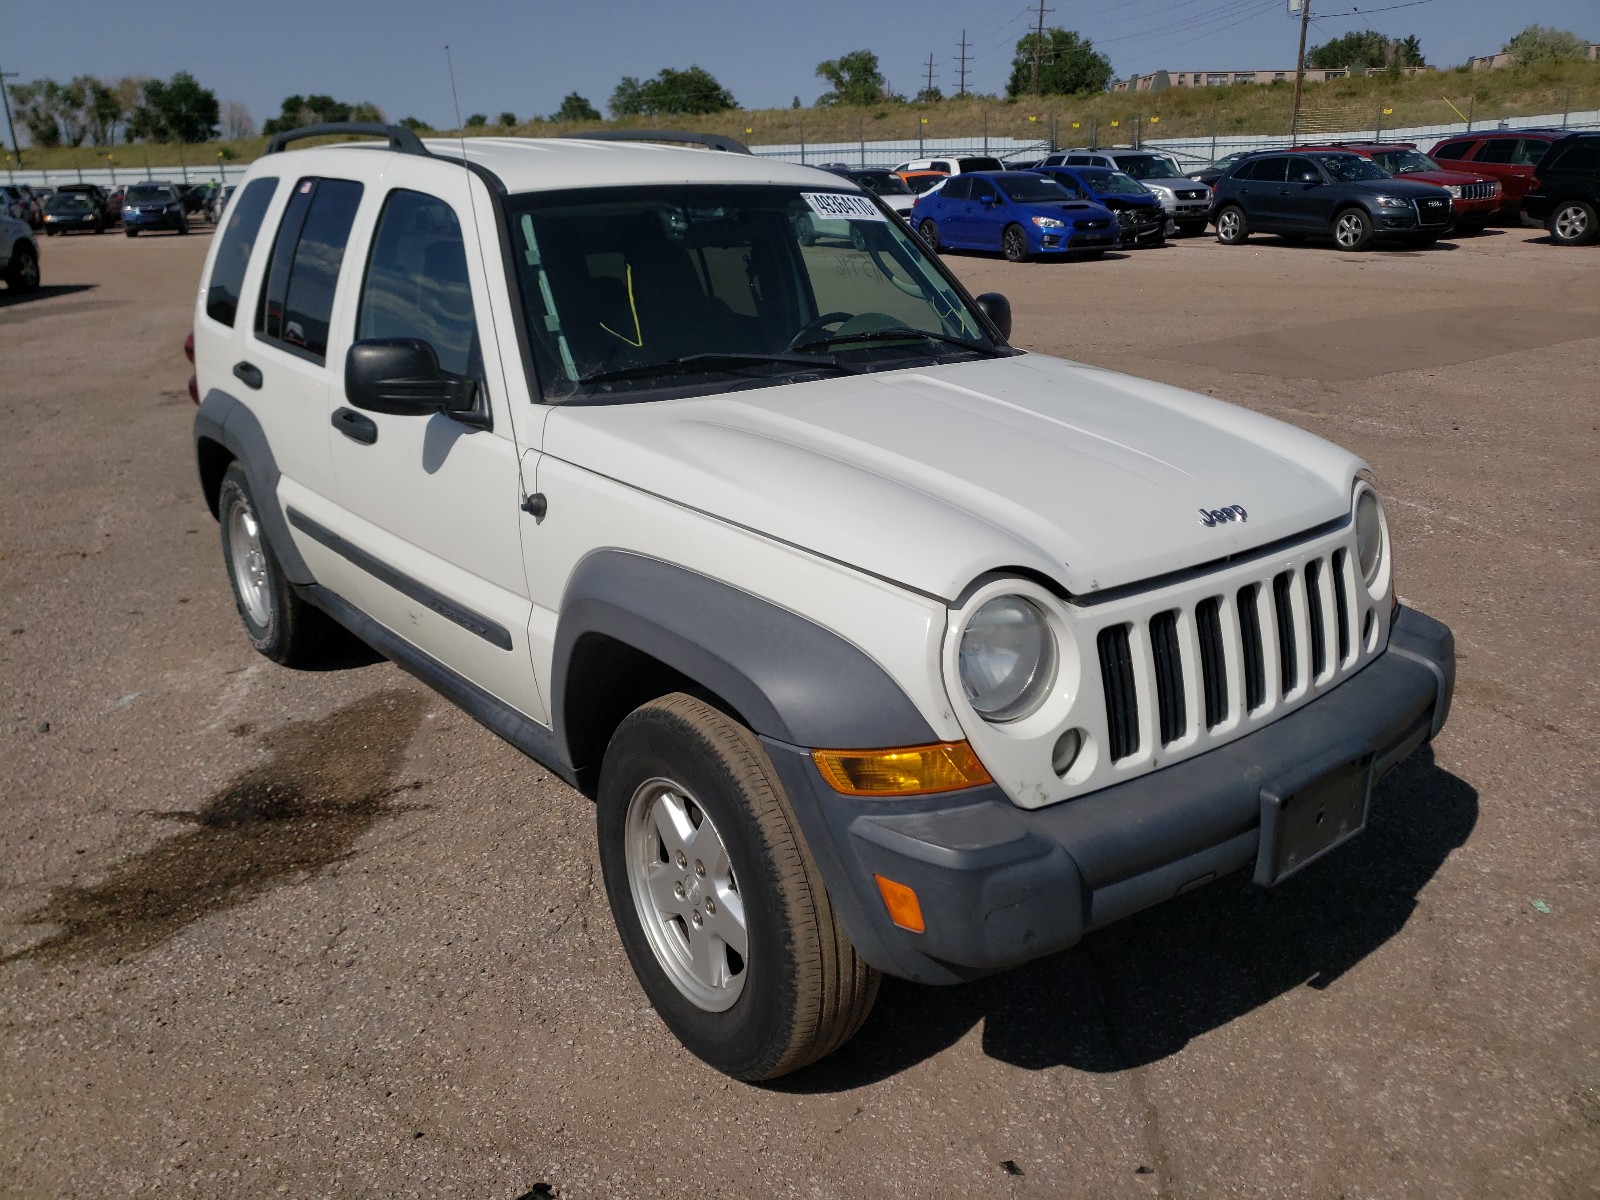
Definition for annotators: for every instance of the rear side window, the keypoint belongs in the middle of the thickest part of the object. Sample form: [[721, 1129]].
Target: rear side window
[[957, 189], [297, 295], [1497, 150], [233, 256], [416, 285], [1453, 150]]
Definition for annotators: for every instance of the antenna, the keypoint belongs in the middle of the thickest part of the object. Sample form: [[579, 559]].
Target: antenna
[[472, 203]]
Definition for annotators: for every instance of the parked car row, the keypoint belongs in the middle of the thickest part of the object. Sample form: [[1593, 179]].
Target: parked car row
[[88, 207], [1361, 194]]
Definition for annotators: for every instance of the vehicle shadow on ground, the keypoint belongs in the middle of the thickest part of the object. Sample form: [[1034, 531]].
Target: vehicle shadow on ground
[[1141, 990], [1269, 241], [10, 296]]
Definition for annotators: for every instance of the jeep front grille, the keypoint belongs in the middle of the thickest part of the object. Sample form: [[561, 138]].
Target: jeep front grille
[[1477, 191], [1186, 671]]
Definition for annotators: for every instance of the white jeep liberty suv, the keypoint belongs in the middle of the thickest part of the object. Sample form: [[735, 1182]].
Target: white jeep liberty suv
[[880, 645]]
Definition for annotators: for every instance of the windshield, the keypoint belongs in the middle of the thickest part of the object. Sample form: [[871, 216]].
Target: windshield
[[66, 201], [1032, 189], [921, 183], [1147, 166], [1115, 183], [1350, 168], [762, 282], [884, 183], [1405, 162], [149, 194]]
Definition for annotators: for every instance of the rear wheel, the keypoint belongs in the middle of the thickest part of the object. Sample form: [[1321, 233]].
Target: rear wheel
[[1573, 223], [22, 274], [131, 232], [281, 625], [716, 897], [1014, 244], [1231, 227], [1352, 230], [930, 233]]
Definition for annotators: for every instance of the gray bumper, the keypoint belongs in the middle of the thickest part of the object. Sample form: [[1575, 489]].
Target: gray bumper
[[1000, 885]]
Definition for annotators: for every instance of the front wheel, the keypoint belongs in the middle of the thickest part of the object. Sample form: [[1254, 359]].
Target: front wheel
[[131, 232], [22, 274], [1573, 223], [1014, 244], [717, 898], [1352, 230], [929, 231], [1231, 227]]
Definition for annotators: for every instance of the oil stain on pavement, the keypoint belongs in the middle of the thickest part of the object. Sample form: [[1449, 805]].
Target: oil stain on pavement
[[328, 780]]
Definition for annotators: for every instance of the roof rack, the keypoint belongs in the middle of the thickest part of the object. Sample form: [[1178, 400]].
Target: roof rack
[[712, 141], [400, 138]]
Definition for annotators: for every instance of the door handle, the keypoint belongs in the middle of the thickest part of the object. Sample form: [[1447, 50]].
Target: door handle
[[355, 426], [249, 375]]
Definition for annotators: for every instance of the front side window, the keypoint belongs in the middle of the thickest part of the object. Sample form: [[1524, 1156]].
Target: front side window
[[959, 188], [1529, 152], [416, 284], [297, 294], [627, 291], [240, 227]]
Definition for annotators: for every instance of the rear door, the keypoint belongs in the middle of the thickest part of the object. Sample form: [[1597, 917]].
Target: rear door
[[1258, 189], [1305, 199], [1511, 161], [430, 504]]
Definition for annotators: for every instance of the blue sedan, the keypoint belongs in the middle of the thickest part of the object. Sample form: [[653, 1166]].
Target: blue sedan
[[1141, 221], [1016, 212]]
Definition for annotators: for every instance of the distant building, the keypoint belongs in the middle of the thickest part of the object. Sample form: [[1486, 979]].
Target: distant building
[[1490, 62], [1160, 81]]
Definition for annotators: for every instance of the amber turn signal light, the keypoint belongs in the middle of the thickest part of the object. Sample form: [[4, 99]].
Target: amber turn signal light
[[904, 908], [906, 771]]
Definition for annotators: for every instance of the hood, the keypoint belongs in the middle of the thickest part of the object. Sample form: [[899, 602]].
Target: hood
[[1443, 178], [1128, 200], [933, 477], [1393, 187], [1074, 211]]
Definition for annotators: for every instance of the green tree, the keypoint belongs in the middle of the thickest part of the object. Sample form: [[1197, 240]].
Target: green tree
[[856, 80], [319, 109], [477, 121], [929, 95], [576, 108], [1364, 49], [38, 106], [1069, 65], [104, 111], [671, 92], [508, 119], [415, 125], [1536, 44], [178, 110]]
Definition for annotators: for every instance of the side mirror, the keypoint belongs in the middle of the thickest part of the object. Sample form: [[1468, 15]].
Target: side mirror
[[402, 377], [998, 309]]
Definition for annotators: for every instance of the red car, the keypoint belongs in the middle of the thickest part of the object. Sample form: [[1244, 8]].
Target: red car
[[1474, 197], [1509, 155]]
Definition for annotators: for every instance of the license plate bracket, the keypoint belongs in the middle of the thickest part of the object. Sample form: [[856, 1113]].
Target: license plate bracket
[[1312, 810]]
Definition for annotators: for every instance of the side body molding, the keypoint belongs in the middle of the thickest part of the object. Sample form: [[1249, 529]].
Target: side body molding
[[232, 425], [791, 679]]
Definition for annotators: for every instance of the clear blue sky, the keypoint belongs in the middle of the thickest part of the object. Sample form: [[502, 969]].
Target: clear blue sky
[[525, 56]]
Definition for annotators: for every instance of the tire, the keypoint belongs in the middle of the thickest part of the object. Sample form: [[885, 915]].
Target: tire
[[1352, 230], [928, 230], [1014, 244], [22, 273], [695, 833], [183, 225], [280, 625], [1232, 229], [131, 232], [1573, 223]]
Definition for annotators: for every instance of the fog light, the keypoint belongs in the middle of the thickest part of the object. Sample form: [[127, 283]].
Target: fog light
[[1066, 751], [904, 908]]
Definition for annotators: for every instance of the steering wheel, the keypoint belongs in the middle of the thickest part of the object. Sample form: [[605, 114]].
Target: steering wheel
[[812, 328]]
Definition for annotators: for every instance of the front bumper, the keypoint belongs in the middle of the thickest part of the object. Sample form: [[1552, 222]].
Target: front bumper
[[156, 220], [1000, 885]]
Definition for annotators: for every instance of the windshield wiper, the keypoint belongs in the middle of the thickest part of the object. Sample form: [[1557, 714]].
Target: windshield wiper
[[902, 333], [691, 364]]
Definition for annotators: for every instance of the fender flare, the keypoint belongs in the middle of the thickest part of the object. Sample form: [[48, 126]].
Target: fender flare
[[225, 421], [788, 677]]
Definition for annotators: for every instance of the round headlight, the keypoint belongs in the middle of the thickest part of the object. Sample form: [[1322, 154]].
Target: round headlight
[[1007, 659], [1369, 534]]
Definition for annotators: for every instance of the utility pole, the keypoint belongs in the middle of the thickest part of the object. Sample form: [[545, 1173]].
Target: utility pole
[[1038, 46], [930, 71], [961, 66], [1299, 72], [5, 93]]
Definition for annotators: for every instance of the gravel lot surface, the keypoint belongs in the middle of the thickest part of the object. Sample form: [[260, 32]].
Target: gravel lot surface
[[266, 932]]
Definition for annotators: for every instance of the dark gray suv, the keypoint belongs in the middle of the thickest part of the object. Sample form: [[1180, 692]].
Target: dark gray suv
[[1326, 194]]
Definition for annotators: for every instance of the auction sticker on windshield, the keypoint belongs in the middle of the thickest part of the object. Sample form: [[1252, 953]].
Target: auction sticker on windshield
[[839, 205]]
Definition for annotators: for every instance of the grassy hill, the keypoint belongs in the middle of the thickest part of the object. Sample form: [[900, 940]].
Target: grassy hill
[[1341, 104]]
